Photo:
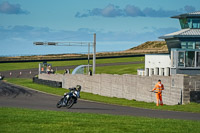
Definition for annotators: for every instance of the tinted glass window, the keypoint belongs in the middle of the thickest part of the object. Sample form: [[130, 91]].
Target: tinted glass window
[[198, 59], [181, 59], [193, 23], [183, 45], [189, 58], [191, 45], [197, 45]]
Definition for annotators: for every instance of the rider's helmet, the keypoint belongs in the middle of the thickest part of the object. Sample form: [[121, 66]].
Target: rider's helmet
[[78, 88]]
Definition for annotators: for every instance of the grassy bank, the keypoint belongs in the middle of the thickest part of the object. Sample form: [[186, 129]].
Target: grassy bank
[[192, 107], [26, 120]]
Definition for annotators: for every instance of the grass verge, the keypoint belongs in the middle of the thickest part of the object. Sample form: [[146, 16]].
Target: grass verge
[[192, 107], [27, 120], [120, 69]]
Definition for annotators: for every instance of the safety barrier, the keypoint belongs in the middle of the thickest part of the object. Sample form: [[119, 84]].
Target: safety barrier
[[47, 82]]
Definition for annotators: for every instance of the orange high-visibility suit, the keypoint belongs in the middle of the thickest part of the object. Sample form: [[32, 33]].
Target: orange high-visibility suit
[[158, 90]]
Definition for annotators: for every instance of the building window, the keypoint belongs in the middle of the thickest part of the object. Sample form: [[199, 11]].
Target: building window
[[185, 59], [184, 23], [198, 59], [197, 45], [193, 23], [181, 56], [189, 58], [189, 21], [190, 45], [183, 45]]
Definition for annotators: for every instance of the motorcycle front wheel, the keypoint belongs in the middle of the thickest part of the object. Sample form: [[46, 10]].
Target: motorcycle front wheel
[[70, 102], [59, 104]]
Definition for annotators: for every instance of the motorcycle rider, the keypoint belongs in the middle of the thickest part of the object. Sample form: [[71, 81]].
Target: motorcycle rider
[[75, 90]]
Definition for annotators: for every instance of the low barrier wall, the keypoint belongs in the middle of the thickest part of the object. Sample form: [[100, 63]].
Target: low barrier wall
[[47, 82], [126, 86]]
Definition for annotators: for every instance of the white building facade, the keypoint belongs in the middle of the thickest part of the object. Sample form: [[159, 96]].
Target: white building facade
[[157, 64], [184, 50]]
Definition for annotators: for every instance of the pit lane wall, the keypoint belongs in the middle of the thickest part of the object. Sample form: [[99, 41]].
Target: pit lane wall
[[130, 86]]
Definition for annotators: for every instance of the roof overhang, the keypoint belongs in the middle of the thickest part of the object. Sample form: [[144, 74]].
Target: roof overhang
[[178, 36], [188, 15], [166, 37], [184, 33]]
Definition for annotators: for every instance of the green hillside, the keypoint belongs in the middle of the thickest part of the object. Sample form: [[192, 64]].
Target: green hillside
[[151, 46]]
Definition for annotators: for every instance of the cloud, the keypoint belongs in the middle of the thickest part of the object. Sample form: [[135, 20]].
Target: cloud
[[151, 35], [22, 31], [111, 11], [31, 34], [149, 12], [7, 8], [133, 11], [108, 11], [189, 8]]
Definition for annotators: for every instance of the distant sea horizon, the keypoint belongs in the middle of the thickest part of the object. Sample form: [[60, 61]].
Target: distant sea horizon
[[21, 50]]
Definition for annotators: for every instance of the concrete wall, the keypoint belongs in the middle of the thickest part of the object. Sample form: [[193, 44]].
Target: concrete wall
[[124, 86]]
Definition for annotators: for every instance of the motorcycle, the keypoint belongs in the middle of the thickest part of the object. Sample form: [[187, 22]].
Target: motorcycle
[[69, 99]]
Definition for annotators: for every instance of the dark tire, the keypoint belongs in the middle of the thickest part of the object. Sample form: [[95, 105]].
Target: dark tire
[[70, 102], [59, 104]]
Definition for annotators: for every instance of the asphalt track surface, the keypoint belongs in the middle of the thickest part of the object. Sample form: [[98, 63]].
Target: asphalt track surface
[[17, 96]]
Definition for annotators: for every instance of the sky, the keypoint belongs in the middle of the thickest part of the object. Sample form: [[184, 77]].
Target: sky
[[118, 24]]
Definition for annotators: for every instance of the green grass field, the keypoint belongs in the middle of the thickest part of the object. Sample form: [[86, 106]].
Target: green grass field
[[28, 65], [37, 121], [119, 69], [192, 107]]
